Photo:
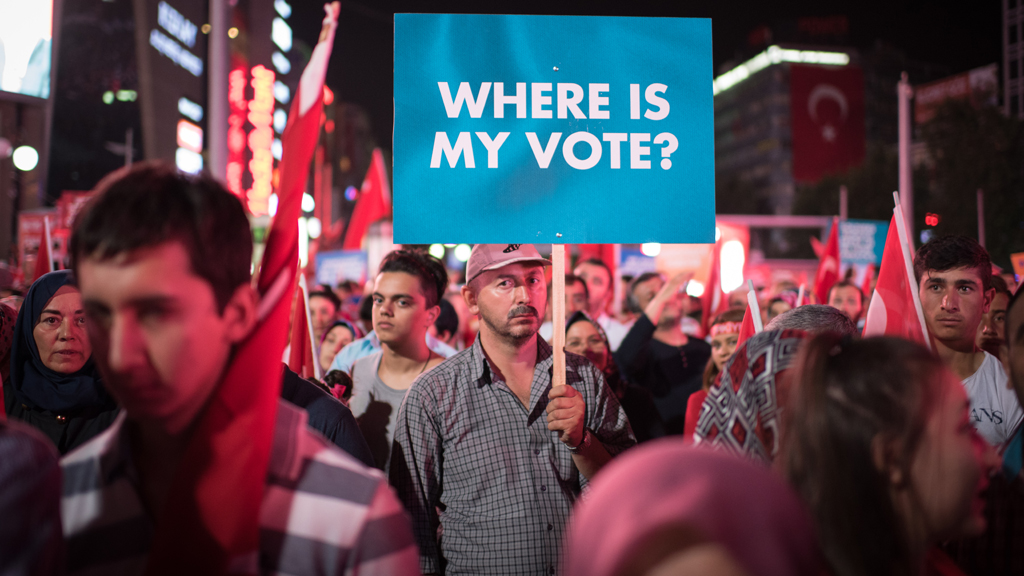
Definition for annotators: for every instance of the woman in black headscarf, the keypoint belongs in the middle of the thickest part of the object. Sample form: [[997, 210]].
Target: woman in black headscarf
[[54, 384]]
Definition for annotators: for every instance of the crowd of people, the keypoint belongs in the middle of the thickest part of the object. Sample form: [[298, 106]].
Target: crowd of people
[[439, 441]]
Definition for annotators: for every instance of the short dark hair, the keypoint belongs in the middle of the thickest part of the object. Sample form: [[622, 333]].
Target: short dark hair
[[1000, 285], [152, 203], [448, 319], [327, 295], [846, 284], [950, 252], [571, 279], [597, 262], [431, 273]]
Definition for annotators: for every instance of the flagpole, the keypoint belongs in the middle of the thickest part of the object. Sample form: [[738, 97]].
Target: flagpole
[[909, 267], [755, 309], [905, 93], [800, 296], [49, 243], [309, 325], [558, 314]]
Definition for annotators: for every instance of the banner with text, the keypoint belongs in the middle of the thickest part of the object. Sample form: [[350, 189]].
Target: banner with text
[[553, 129]]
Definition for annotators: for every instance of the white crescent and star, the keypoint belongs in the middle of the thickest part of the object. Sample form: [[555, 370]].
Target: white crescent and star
[[827, 92]]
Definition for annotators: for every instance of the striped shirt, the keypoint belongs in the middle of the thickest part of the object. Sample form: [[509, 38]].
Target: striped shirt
[[323, 512], [470, 459]]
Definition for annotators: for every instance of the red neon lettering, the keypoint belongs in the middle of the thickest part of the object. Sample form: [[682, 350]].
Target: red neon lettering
[[261, 110]]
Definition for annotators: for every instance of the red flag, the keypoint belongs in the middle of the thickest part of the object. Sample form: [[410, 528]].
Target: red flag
[[301, 358], [828, 266], [869, 276], [711, 301], [827, 119], [44, 258], [374, 203], [893, 309], [211, 517], [747, 328]]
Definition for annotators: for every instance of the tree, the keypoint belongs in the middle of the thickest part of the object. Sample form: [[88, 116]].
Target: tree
[[972, 148]]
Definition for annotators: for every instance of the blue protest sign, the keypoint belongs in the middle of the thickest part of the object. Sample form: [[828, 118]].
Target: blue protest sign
[[862, 241], [336, 266], [553, 129]]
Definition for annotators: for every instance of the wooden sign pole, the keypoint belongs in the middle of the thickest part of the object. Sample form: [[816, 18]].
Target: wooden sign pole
[[558, 313]]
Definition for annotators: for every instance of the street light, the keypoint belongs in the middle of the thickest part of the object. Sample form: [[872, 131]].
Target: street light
[[25, 158]]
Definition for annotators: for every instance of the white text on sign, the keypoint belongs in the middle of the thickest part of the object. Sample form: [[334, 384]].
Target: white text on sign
[[548, 101]]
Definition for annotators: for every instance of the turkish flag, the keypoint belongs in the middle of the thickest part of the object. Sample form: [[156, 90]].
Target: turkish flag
[[301, 356], [828, 265], [44, 257], [210, 519], [892, 311], [827, 119], [747, 328], [711, 301], [374, 203]]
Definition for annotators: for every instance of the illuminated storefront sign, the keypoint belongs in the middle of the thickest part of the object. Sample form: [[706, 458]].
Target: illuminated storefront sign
[[261, 116], [190, 136], [236, 131]]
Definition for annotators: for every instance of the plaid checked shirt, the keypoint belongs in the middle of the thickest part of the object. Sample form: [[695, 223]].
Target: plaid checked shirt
[[323, 512], [469, 458]]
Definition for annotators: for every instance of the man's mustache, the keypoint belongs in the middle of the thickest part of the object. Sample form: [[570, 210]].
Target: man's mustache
[[522, 311]]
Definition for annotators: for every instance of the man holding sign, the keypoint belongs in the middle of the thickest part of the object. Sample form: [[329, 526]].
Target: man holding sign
[[485, 448]]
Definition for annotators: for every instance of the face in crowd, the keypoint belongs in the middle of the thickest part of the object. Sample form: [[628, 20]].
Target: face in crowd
[[949, 470], [510, 301], [954, 302], [400, 309], [991, 332], [599, 286], [575, 298], [60, 332], [777, 306], [335, 339], [322, 313], [722, 347], [584, 339], [847, 299], [160, 339]]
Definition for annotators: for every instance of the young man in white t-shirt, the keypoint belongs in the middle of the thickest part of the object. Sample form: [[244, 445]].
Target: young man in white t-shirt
[[405, 297], [954, 274]]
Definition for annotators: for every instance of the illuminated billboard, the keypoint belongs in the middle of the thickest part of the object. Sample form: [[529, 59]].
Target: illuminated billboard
[[26, 37]]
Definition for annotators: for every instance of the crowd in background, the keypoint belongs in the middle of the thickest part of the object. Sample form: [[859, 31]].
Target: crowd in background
[[438, 441]]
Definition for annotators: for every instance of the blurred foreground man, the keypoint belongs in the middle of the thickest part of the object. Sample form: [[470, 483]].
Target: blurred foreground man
[[954, 275], [488, 457], [162, 260]]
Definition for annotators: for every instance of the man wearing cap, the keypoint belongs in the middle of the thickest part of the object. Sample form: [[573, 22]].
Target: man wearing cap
[[488, 458]]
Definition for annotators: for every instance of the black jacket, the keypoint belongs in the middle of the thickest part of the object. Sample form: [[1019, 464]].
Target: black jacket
[[66, 431]]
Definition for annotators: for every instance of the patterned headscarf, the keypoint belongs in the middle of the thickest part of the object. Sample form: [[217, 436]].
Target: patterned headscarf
[[745, 402]]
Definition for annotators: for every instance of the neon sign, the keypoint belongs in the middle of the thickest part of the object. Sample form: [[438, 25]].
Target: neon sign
[[261, 116], [236, 131]]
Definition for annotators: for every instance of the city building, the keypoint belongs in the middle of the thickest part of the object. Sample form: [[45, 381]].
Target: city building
[[1013, 84]]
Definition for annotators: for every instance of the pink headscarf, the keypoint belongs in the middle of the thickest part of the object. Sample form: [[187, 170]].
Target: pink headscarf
[[664, 485]]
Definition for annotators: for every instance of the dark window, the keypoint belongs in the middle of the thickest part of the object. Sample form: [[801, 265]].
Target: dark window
[[1014, 105], [1013, 34], [1014, 69]]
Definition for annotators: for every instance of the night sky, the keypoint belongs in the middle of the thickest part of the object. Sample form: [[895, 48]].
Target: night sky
[[960, 35]]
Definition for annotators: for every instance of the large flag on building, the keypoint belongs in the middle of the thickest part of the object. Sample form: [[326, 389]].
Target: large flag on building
[[827, 119], [895, 308], [373, 204], [210, 522], [828, 265]]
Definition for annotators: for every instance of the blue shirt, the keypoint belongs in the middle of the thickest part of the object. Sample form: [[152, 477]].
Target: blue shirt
[[370, 343]]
